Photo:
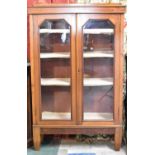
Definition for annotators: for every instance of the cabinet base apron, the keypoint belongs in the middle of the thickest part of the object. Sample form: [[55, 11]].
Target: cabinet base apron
[[39, 131]]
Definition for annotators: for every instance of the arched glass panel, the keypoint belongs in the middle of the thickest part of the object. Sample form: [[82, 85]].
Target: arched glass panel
[[55, 61], [98, 70]]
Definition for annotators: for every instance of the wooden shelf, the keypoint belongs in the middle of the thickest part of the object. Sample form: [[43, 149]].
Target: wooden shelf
[[67, 116], [54, 30], [98, 116], [98, 54], [55, 81], [66, 81], [55, 55], [98, 81], [87, 54], [85, 31], [98, 31], [56, 115]]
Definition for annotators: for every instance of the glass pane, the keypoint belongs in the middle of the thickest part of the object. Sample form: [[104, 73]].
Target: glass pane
[[55, 70], [98, 55]]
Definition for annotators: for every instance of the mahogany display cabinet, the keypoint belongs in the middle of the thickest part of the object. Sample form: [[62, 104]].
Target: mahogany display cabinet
[[76, 56]]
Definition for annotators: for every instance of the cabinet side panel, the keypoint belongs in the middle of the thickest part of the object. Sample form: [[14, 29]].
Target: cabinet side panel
[[121, 67], [116, 70], [32, 66], [119, 71], [34, 70]]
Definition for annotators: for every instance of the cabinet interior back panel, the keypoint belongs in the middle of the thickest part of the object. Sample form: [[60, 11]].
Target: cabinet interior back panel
[[55, 68], [98, 67], [98, 99], [56, 99]]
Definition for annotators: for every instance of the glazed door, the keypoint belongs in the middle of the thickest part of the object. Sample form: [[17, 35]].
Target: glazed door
[[54, 41], [98, 68]]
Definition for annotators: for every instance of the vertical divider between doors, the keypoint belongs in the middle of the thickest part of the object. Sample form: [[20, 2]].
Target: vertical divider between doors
[[79, 68], [80, 20], [77, 74], [73, 68]]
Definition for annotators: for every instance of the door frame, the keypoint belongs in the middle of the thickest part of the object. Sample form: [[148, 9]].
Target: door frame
[[80, 21], [36, 20]]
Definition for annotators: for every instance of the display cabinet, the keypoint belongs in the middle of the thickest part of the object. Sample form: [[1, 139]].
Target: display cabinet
[[77, 69]]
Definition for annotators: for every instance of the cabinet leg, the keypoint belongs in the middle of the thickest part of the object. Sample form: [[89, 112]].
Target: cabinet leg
[[36, 138], [118, 138]]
